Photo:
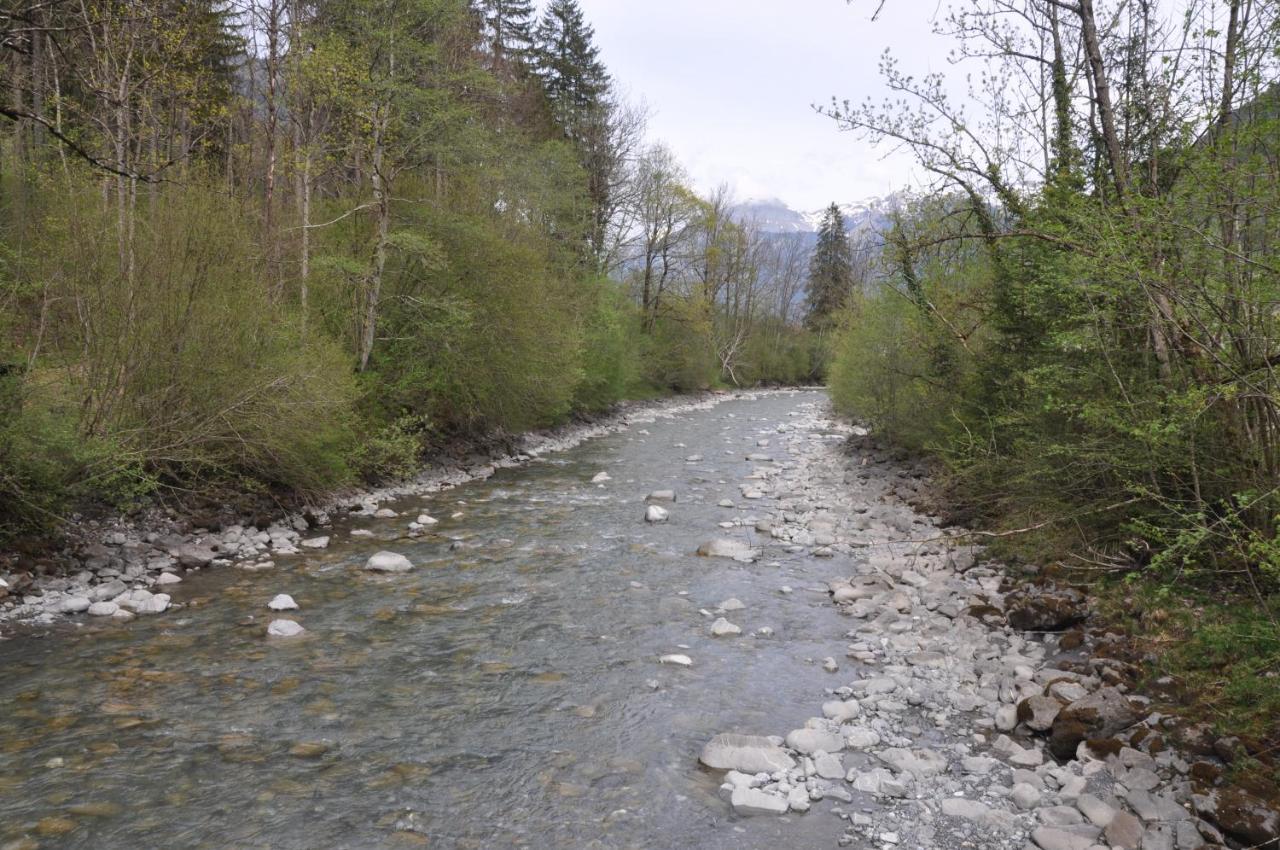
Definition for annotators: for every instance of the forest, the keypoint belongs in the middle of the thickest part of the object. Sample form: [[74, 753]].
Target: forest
[[267, 248], [1081, 321]]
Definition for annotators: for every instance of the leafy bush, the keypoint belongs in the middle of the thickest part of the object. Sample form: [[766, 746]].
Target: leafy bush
[[176, 357]]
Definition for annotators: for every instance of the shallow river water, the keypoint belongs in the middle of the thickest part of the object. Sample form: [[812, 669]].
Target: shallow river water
[[500, 695]]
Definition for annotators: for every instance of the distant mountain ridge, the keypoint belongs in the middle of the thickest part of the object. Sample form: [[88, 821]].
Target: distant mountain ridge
[[773, 215]]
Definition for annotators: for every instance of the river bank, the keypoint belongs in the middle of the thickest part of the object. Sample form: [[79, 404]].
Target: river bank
[[983, 713], [121, 566]]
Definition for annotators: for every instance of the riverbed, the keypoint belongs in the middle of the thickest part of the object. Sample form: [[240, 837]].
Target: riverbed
[[507, 692]]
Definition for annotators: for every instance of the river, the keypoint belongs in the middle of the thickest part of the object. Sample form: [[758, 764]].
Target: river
[[505, 693]]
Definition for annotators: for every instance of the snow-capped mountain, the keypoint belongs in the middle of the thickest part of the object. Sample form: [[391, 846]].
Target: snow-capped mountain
[[776, 216]]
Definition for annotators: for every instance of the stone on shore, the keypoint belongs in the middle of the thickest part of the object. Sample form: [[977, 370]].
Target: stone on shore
[[1099, 715], [745, 753], [74, 604], [753, 801]]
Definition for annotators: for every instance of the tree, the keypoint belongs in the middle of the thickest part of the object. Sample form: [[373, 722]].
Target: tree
[[507, 28], [568, 63], [830, 271]]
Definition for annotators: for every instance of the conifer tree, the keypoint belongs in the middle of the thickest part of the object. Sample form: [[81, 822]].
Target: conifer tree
[[508, 28], [574, 78], [830, 271]]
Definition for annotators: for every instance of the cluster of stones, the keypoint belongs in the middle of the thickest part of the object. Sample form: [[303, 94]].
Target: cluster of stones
[[962, 729]]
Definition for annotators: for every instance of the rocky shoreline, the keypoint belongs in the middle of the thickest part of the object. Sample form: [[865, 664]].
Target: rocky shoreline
[[979, 714], [119, 567]]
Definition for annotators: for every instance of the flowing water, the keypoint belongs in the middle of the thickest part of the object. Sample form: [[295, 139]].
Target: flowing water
[[500, 695]]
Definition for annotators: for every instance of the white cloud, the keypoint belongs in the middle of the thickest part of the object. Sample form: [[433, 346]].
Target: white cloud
[[732, 83]]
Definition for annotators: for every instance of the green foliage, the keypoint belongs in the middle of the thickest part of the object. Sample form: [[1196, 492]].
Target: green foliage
[[611, 347], [178, 374], [394, 451], [679, 353], [776, 353]]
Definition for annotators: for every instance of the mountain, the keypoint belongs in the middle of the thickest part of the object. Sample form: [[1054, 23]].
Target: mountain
[[776, 216]]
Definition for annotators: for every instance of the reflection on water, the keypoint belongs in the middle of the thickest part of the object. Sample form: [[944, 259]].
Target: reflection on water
[[497, 696]]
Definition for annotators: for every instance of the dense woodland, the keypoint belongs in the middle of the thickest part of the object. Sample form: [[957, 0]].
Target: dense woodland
[[270, 247], [1083, 318]]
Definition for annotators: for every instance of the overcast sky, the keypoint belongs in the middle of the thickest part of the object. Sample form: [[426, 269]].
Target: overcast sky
[[731, 84]]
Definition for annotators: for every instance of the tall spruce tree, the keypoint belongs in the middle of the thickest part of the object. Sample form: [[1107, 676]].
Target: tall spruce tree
[[508, 29], [830, 271], [568, 61]]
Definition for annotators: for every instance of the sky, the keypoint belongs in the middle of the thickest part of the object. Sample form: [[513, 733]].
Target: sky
[[731, 86]]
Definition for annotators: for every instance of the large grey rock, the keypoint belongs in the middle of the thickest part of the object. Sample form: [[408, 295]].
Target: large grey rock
[[193, 555], [1124, 831], [1099, 715], [388, 562], [1051, 838], [919, 762], [1038, 712], [105, 608], [107, 590], [722, 547], [1098, 812], [74, 604], [1241, 815], [753, 801], [809, 741], [746, 753]]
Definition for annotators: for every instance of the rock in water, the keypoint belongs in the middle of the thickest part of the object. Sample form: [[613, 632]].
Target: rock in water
[[284, 628], [600, 478], [654, 513], [427, 519], [746, 753], [724, 548], [388, 562], [661, 496], [282, 602], [676, 658], [723, 628], [316, 543], [753, 801]]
